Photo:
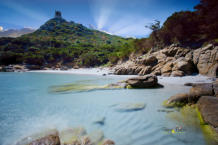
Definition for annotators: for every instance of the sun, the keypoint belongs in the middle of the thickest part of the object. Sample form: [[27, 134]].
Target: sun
[[1, 28]]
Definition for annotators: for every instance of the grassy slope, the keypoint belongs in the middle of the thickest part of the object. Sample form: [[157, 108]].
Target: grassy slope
[[66, 42]]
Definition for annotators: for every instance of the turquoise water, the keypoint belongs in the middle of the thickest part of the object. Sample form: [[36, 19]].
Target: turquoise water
[[27, 106]]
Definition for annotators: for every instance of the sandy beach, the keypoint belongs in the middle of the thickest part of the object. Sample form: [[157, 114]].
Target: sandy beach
[[106, 71]]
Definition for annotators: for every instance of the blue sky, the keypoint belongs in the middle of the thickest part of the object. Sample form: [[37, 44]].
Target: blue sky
[[120, 17]]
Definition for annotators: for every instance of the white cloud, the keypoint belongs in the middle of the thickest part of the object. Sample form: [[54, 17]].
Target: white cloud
[[130, 26], [123, 24], [102, 11]]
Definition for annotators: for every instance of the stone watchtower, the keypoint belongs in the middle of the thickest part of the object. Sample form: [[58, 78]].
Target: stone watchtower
[[58, 14]]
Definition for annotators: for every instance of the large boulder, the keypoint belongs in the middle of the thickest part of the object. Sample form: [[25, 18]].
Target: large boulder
[[148, 81], [179, 100], [206, 60], [184, 65], [208, 107], [205, 89]]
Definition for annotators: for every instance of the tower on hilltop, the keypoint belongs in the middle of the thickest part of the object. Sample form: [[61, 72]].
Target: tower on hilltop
[[58, 14]]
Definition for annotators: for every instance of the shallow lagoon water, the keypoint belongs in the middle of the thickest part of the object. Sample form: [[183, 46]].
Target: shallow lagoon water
[[27, 106]]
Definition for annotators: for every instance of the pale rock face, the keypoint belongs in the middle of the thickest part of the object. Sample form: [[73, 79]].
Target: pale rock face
[[173, 61], [167, 68], [177, 74], [206, 59]]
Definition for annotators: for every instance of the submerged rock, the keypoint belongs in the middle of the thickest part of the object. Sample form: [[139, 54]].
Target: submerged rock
[[49, 137], [164, 110], [71, 135], [48, 140], [116, 85], [74, 87], [108, 142], [100, 121], [96, 137], [128, 107]]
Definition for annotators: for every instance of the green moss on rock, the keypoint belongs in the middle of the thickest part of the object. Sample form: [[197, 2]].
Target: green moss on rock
[[173, 104], [209, 133]]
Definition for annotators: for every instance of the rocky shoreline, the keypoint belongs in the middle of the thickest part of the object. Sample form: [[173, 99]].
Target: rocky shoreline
[[205, 98], [173, 61]]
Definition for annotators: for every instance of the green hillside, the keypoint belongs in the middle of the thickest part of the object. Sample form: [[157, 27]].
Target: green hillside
[[68, 43]]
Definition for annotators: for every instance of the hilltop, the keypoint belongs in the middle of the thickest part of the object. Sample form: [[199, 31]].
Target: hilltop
[[59, 42]]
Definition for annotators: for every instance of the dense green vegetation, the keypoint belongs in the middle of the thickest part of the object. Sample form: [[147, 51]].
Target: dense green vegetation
[[68, 43], [188, 28]]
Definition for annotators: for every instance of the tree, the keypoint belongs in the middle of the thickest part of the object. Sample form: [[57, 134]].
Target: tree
[[154, 26], [208, 12], [154, 39]]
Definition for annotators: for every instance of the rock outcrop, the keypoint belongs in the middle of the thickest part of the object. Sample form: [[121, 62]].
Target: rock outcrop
[[206, 60], [197, 90], [205, 89], [147, 81], [205, 96], [173, 61], [208, 107]]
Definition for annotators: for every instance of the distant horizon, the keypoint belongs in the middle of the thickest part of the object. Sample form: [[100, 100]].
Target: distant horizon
[[126, 19]]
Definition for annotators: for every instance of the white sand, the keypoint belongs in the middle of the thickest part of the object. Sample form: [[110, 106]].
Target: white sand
[[161, 80], [85, 71]]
